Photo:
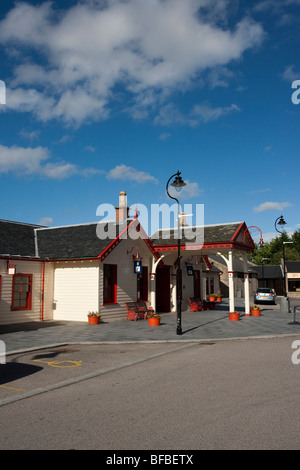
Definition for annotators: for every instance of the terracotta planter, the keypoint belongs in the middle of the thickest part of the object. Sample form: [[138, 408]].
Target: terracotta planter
[[94, 320], [219, 299], [154, 321], [212, 299], [255, 312], [233, 316]]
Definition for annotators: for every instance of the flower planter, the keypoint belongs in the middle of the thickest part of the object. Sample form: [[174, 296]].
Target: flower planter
[[255, 312], [94, 320], [234, 316], [154, 321], [219, 299], [212, 299]]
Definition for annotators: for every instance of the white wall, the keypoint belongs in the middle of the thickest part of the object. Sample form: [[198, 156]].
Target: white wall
[[75, 289], [126, 278]]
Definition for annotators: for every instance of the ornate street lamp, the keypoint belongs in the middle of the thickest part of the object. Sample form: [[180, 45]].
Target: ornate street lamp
[[280, 221], [178, 184]]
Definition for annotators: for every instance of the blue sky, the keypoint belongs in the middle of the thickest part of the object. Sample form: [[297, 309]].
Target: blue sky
[[111, 95]]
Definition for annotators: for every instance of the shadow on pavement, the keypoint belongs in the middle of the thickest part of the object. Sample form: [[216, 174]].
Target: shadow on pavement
[[12, 371], [30, 326]]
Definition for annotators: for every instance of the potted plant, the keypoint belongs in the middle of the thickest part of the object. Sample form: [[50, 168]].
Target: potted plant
[[94, 318], [212, 297], [234, 316], [154, 319], [219, 297], [255, 310]]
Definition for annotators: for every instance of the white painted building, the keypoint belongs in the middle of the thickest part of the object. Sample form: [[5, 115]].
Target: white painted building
[[62, 273]]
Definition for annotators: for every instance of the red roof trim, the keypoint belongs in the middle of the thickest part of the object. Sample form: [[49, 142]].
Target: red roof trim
[[118, 239], [238, 231]]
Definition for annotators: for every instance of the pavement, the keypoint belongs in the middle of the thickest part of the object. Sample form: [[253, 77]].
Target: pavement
[[209, 325]]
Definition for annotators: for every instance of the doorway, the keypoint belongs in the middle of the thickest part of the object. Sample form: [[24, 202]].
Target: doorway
[[197, 290], [163, 291]]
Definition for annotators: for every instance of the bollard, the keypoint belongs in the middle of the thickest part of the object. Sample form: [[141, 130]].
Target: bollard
[[285, 305], [294, 322]]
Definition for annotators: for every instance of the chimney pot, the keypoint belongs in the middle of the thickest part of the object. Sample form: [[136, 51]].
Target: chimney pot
[[122, 211]]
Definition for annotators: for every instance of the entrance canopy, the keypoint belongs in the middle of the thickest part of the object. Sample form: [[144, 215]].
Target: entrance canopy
[[224, 240], [206, 239]]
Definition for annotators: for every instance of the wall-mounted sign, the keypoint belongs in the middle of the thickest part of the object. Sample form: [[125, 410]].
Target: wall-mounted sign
[[11, 268], [137, 266], [190, 270]]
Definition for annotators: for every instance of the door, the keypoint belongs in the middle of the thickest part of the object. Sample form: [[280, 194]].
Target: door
[[142, 284], [163, 290], [197, 293]]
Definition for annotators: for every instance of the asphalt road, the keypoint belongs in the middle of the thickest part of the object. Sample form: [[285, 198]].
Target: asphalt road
[[236, 394]]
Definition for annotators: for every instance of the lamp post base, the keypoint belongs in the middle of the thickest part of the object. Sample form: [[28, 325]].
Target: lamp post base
[[179, 330]]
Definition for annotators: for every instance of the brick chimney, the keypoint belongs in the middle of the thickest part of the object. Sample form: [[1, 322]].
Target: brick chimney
[[122, 211]]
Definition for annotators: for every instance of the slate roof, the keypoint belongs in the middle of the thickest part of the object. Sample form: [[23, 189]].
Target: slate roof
[[81, 241], [74, 241], [293, 266], [271, 271], [17, 238], [212, 234]]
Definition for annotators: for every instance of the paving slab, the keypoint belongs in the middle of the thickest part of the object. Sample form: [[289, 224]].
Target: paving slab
[[207, 325]]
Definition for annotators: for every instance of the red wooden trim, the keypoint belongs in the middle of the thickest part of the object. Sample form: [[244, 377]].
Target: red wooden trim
[[186, 247], [114, 285], [117, 240], [115, 282], [237, 231], [209, 246], [205, 257]]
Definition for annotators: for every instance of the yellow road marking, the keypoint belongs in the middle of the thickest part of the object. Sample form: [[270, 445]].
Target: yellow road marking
[[59, 363], [13, 388]]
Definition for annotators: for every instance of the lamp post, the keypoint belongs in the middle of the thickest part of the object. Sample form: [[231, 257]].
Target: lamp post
[[178, 184], [280, 221]]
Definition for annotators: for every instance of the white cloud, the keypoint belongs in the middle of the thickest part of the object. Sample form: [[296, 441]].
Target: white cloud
[[34, 161], [151, 48], [290, 74], [201, 113], [207, 113], [46, 221], [189, 191], [123, 172], [271, 206]]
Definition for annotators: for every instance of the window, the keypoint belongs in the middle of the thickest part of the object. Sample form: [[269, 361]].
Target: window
[[21, 293], [110, 284]]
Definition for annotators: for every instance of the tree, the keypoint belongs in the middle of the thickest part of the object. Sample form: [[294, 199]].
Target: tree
[[273, 250]]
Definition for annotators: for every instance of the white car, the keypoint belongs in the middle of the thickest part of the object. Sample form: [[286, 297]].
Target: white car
[[264, 294]]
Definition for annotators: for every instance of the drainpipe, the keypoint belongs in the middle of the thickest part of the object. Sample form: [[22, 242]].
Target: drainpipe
[[43, 291]]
